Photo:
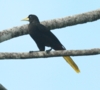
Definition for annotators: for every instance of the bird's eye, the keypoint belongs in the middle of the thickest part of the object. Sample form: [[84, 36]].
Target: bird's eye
[[30, 16]]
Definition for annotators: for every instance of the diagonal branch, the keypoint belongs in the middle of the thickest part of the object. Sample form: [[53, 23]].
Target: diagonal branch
[[52, 24], [44, 54]]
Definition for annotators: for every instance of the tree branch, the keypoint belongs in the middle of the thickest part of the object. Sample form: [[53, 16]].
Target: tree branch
[[44, 54], [2, 87], [52, 24]]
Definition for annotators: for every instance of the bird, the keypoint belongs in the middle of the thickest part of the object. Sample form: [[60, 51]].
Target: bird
[[44, 37]]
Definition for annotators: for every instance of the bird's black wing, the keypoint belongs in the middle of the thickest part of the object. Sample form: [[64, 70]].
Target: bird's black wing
[[50, 38]]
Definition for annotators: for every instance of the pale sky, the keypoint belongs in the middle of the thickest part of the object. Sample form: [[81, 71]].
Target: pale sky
[[50, 73]]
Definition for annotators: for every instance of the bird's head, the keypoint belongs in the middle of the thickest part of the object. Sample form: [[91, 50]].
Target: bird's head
[[31, 18]]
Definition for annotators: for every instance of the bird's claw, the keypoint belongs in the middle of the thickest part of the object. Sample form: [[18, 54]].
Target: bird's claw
[[31, 51], [48, 50]]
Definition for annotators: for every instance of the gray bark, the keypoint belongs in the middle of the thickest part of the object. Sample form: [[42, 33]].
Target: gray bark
[[44, 54]]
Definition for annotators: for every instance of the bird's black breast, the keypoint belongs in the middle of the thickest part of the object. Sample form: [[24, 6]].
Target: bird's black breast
[[36, 33]]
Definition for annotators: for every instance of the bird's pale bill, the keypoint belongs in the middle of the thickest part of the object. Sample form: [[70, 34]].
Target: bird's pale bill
[[25, 19]]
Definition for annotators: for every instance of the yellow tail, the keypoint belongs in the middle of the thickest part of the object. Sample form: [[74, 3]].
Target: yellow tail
[[71, 63]]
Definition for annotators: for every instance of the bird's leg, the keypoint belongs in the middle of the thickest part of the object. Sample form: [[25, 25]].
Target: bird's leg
[[48, 50]]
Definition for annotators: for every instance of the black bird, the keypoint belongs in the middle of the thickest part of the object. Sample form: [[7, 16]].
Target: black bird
[[44, 37]]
